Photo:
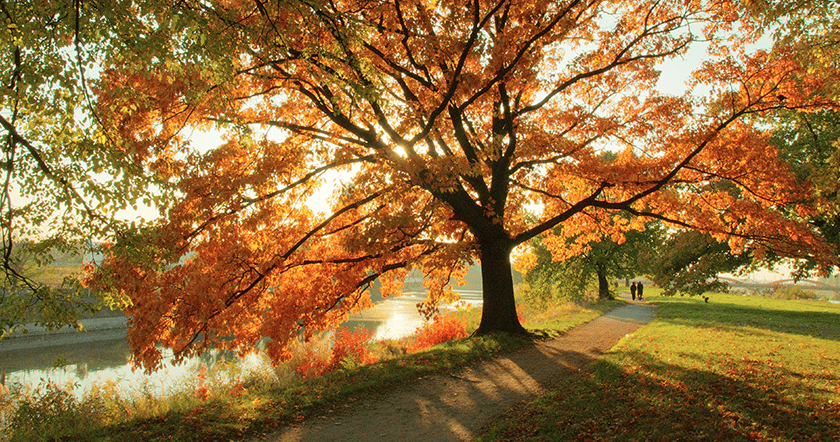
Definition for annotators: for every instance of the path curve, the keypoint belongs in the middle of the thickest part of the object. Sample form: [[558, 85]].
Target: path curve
[[456, 406]]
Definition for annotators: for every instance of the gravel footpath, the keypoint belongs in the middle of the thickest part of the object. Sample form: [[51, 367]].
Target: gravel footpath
[[456, 406]]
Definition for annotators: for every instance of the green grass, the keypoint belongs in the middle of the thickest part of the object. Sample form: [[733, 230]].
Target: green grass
[[736, 369], [53, 275], [563, 317], [180, 416]]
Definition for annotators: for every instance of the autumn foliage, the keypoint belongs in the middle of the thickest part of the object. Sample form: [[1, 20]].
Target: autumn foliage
[[451, 132], [349, 348], [441, 329], [202, 390]]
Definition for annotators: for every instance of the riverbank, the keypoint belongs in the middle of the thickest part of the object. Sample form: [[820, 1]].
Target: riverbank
[[93, 330], [224, 403]]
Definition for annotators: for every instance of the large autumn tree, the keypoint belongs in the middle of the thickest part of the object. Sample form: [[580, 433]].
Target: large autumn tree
[[442, 125]]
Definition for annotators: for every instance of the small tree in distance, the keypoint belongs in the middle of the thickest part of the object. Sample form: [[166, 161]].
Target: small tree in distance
[[598, 264], [448, 122]]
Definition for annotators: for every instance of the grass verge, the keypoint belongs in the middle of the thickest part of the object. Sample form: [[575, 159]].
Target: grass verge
[[735, 369]]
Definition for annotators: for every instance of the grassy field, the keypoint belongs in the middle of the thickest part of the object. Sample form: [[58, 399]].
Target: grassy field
[[735, 369]]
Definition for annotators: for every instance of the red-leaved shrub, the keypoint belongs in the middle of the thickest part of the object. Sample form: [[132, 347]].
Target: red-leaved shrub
[[443, 328], [202, 392], [238, 388], [348, 348]]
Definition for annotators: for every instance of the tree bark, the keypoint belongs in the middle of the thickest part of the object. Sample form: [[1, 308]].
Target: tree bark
[[603, 285], [499, 309]]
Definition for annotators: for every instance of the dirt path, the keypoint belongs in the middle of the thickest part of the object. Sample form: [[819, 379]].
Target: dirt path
[[456, 406]]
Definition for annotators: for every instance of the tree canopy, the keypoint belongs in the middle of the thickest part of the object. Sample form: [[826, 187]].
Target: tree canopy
[[62, 178], [810, 143], [446, 123], [689, 262]]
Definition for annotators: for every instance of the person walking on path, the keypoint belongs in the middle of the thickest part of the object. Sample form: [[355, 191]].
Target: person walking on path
[[639, 289], [633, 290]]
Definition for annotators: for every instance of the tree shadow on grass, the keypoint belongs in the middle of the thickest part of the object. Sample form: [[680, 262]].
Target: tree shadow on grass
[[740, 318], [651, 400]]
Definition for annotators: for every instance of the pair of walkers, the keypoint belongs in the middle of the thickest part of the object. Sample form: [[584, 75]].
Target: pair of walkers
[[636, 288]]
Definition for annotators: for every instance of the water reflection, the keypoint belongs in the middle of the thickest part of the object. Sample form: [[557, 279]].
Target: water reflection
[[80, 366], [89, 363], [95, 356], [397, 317]]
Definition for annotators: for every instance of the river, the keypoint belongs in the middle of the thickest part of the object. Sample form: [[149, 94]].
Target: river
[[85, 364]]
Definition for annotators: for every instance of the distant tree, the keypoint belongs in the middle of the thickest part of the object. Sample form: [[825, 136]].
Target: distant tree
[[810, 144], [598, 262]]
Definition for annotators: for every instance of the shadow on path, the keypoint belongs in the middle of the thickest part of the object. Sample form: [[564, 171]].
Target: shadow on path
[[456, 406]]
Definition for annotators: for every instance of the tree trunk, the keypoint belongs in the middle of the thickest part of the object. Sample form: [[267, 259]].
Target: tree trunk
[[499, 309], [603, 286]]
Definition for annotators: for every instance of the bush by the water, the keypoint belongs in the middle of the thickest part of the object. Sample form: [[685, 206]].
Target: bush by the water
[[442, 329], [348, 349]]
